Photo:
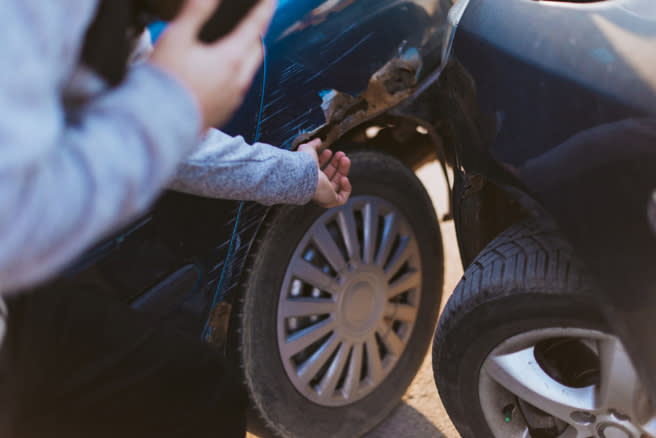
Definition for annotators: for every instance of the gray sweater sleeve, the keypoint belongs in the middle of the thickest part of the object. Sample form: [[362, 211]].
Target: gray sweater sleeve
[[228, 168], [64, 184]]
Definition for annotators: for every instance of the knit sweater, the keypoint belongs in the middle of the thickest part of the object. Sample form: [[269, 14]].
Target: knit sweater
[[80, 160]]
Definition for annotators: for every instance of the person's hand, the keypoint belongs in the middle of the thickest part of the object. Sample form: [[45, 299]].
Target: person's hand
[[217, 75], [334, 187]]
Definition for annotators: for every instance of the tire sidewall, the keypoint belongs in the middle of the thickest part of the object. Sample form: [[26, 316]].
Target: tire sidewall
[[461, 352], [277, 400]]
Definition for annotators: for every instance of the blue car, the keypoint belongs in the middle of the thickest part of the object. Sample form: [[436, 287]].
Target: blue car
[[330, 313], [549, 107]]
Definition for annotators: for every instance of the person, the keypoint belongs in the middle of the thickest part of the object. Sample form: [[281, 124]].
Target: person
[[80, 159], [269, 175]]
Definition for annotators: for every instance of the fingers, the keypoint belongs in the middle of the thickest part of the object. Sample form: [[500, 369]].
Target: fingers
[[251, 63], [193, 16], [334, 188], [247, 50], [344, 166], [315, 145], [328, 197], [340, 181], [331, 168], [311, 149], [256, 22], [344, 193], [339, 167], [324, 158], [165, 10]]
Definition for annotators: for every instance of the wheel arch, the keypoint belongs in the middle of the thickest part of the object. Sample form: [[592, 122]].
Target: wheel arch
[[411, 140], [482, 211], [407, 137]]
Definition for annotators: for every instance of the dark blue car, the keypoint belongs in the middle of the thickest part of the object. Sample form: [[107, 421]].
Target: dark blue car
[[329, 313], [548, 107]]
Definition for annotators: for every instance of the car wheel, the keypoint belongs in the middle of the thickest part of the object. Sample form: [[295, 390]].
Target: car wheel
[[340, 305], [521, 349]]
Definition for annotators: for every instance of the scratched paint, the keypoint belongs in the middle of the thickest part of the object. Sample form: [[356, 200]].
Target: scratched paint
[[387, 87], [342, 45], [333, 64]]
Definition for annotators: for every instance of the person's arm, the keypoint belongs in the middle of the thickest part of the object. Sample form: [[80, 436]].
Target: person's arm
[[227, 167], [66, 183]]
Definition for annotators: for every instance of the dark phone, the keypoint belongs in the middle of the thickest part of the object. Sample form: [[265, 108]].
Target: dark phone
[[227, 16]]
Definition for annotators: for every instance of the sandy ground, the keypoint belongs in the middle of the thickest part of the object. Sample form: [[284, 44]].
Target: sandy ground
[[421, 414]]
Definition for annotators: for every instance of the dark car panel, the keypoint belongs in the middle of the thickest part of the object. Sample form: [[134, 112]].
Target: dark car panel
[[545, 85], [553, 108], [188, 252], [314, 47], [341, 44]]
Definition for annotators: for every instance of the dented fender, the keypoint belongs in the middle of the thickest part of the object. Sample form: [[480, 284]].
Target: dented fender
[[388, 87], [326, 77]]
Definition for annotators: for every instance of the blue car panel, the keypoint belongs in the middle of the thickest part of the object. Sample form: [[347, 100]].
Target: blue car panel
[[188, 251], [553, 103]]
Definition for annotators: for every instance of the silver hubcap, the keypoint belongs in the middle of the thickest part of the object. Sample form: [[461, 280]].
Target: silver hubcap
[[564, 383], [349, 301]]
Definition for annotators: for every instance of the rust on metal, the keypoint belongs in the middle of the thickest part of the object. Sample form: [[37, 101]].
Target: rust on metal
[[388, 87], [218, 324]]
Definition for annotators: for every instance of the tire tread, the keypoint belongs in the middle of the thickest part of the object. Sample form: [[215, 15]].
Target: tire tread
[[529, 257], [524, 257]]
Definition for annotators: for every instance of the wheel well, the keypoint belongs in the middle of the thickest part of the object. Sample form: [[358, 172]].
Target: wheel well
[[411, 141], [483, 210]]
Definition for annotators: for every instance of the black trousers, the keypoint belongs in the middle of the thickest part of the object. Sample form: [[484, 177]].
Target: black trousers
[[77, 364]]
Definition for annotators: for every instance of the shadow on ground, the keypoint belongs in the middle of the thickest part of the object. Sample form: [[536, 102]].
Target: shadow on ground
[[406, 421]]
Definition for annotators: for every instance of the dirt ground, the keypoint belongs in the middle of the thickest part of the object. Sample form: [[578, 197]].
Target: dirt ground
[[421, 414]]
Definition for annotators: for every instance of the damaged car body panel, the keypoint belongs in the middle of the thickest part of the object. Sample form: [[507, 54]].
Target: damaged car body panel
[[351, 60], [331, 66], [387, 88], [560, 125]]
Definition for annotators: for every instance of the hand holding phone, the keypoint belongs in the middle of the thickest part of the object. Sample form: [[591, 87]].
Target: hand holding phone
[[217, 74]]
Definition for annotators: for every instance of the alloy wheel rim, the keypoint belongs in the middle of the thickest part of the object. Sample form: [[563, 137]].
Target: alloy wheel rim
[[564, 383], [349, 301]]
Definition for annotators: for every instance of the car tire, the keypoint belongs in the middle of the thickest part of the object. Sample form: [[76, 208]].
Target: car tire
[[525, 292], [288, 408]]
